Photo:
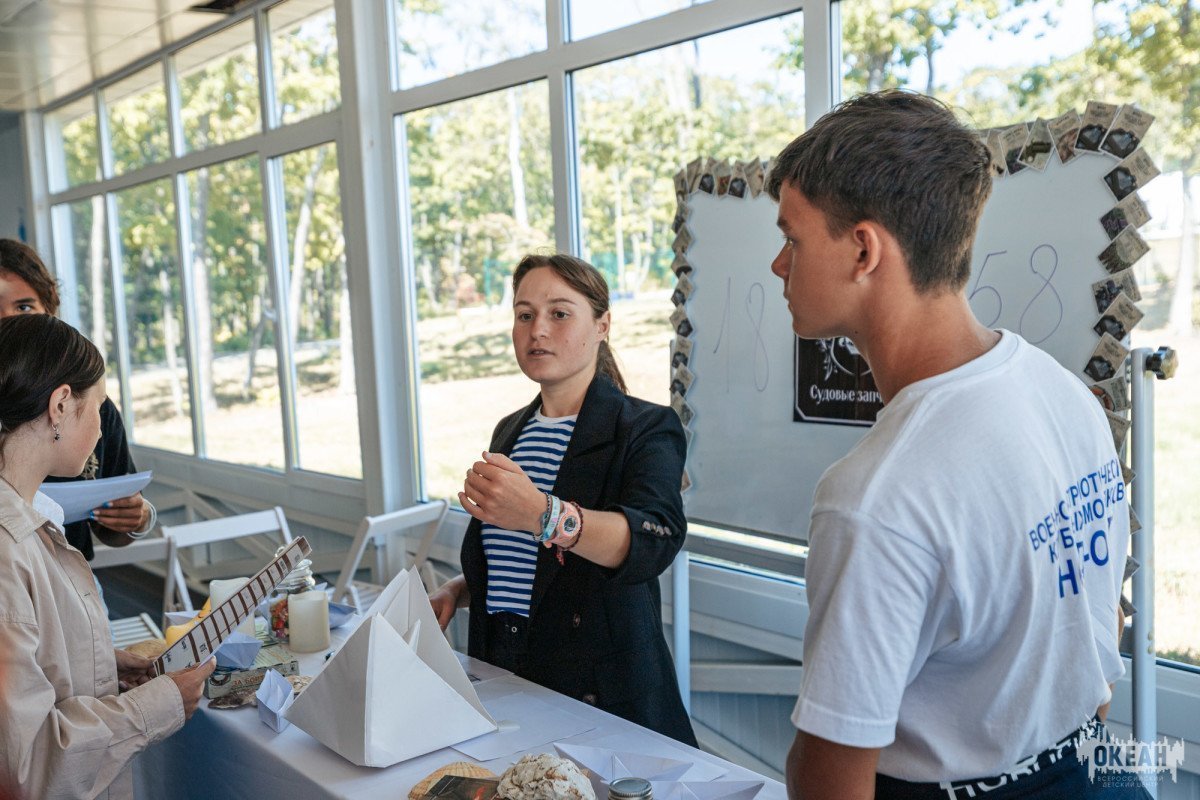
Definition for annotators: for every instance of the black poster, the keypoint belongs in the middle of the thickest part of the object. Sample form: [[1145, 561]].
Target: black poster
[[834, 384]]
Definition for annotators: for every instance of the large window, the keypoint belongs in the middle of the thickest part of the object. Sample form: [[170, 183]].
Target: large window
[[85, 278], [263, 248], [72, 144], [438, 40], [736, 95], [153, 297], [589, 18], [137, 120], [318, 292], [480, 197], [1006, 62], [218, 87], [235, 317], [304, 56]]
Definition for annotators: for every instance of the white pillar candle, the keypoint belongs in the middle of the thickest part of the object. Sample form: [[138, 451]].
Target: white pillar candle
[[220, 591], [308, 621]]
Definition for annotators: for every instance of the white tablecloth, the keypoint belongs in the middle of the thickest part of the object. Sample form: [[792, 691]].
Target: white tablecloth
[[230, 754]]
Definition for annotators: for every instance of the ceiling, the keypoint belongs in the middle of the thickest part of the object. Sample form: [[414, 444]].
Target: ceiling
[[50, 48]]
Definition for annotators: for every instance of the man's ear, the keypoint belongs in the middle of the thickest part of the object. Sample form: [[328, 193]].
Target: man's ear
[[870, 238], [59, 400]]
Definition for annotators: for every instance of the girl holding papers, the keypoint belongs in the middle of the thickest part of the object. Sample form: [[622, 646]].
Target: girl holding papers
[[27, 287], [577, 512], [66, 730]]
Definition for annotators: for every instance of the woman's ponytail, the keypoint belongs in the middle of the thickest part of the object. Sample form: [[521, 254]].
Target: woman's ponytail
[[606, 364]]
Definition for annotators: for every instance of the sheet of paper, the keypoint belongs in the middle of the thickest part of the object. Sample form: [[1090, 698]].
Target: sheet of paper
[[480, 671], [78, 498], [539, 723]]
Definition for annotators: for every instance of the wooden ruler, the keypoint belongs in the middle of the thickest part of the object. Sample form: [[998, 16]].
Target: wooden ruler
[[203, 640]]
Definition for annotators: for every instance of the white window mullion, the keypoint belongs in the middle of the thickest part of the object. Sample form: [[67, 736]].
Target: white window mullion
[[278, 266], [268, 108], [120, 331], [187, 262], [383, 306], [820, 68], [562, 137]]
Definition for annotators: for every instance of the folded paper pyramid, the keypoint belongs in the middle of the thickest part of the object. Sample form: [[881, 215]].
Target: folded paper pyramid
[[395, 690]]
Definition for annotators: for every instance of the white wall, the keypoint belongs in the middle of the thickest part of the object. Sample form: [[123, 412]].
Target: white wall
[[13, 183]]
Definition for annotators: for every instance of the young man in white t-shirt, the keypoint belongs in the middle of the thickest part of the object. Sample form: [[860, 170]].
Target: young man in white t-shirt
[[966, 556]]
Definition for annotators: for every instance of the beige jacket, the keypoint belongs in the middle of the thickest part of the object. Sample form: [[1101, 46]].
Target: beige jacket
[[65, 732]]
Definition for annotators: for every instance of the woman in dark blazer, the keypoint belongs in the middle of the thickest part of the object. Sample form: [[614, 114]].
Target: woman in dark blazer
[[586, 620]]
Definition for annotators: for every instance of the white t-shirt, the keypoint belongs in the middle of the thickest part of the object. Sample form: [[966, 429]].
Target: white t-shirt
[[964, 572]]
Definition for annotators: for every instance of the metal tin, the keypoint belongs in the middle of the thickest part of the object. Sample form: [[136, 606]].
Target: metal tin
[[630, 789]]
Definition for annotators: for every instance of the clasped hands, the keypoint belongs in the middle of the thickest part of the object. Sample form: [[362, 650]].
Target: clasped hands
[[497, 491]]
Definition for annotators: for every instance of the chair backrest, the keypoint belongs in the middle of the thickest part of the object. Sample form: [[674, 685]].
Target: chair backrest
[[377, 528], [211, 531]]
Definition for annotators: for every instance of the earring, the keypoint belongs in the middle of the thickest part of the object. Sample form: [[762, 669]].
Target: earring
[[57, 435]]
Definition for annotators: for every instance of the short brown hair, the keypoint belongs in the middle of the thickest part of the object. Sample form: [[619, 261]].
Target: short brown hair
[[22, 260], [587, 280], [901, 160]]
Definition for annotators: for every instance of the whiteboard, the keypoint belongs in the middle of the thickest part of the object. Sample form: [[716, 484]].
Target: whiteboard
[[750, 465]]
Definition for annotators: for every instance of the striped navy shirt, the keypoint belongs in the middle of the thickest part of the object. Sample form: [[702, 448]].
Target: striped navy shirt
[[512, 555]]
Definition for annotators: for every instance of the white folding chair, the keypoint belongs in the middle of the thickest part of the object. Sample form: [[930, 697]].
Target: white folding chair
[[376, 530], [129, 630], [242, 526]]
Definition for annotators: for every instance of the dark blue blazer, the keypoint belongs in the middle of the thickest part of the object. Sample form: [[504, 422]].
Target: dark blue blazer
[[596, 633]]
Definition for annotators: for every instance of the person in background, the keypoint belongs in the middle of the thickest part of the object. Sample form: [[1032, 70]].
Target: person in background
[[577, 511], [963, 618], [74, 711], [27, 287]]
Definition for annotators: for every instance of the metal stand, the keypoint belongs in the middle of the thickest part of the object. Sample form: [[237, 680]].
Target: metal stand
[[681, 626], [1147, 365]]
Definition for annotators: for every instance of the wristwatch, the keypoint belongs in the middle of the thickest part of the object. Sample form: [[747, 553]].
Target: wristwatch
[[568, 522]]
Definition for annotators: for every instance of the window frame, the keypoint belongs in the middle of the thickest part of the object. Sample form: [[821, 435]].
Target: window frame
[[269, 145], [389, 408]]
